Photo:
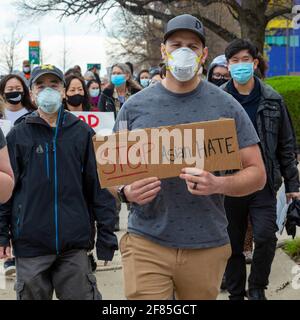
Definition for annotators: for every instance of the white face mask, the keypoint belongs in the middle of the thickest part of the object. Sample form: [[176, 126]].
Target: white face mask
[[183, 63]]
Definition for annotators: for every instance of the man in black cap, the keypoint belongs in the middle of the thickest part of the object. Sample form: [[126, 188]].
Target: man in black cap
[[177, 237], [57, 198]]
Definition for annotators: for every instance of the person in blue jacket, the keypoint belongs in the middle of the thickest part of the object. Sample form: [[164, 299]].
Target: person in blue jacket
[[57, 198]]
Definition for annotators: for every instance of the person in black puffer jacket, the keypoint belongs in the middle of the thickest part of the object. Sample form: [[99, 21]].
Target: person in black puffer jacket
[[57, 198]]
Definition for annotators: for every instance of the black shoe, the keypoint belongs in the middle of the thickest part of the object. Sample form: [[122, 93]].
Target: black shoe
[[223, 284], [236, 298], [93, 262], [256, 294]]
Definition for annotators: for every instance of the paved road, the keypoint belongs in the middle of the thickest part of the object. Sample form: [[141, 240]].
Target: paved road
[[110, 278]]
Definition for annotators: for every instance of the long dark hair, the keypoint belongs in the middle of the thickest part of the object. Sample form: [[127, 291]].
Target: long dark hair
[[26, 101], [85, 104]]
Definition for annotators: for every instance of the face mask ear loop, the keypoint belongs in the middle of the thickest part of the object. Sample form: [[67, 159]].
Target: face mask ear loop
[[198, 60], [170, 57]]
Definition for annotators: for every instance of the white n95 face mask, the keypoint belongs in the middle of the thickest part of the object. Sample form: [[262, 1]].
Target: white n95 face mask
[[49, 100], [183, 63]]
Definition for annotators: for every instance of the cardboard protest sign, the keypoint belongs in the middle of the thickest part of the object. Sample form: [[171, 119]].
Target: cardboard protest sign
[[5, 126], [127, 156], [98, 120]]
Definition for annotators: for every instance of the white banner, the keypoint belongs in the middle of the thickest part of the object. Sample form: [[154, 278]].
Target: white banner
[[100, 121], [5, 126]]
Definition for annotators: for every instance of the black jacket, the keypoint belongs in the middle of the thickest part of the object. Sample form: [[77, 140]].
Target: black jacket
[[277, 139], [57, 195], [107, 102]]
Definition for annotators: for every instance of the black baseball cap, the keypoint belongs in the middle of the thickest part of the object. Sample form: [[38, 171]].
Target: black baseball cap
[[39, 71], [185, 22]]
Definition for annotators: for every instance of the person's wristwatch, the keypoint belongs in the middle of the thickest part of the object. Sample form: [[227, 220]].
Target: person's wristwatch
[[121, 194]]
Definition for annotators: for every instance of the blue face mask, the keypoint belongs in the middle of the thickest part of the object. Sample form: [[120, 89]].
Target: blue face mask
[[49, 100], [94, 93], [118, 79], [144, 83], [242, 72]]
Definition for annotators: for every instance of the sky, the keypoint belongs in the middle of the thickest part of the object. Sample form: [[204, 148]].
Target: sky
[[85, 42]]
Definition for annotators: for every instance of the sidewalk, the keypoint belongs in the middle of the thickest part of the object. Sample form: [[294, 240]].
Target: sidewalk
[[110, 278]]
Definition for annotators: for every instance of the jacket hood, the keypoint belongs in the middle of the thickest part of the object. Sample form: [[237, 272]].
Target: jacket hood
[[219, 61]]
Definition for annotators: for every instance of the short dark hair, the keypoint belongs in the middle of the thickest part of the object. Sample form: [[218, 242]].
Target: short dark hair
[[72, 71], [239, 45]]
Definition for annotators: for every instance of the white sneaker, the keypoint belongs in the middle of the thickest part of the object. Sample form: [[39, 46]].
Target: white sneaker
[[248, 255], [9, 267]]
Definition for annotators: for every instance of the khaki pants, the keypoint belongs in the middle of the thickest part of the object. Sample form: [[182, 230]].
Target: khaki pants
[[155, 272]]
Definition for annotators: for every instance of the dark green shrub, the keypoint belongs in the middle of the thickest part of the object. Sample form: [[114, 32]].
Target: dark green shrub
[[292, 248], [289, 88]]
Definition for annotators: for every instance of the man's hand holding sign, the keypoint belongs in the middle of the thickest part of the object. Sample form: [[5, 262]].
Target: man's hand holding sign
[[203, 183], [143, 191], [217, 151]]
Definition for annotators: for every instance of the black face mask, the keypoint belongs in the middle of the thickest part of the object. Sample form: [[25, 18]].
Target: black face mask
[[75, 100], [219, 82], [14, 97]]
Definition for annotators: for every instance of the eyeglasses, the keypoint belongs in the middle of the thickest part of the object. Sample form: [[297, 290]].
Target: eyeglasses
[[219, 76]]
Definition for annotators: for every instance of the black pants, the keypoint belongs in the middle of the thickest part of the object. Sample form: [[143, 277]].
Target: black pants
[[261, 207]]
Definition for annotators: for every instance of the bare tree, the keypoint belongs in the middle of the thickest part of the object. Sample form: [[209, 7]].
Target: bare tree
[[251, 15], [9, 56], [65, 52], [135, 39]]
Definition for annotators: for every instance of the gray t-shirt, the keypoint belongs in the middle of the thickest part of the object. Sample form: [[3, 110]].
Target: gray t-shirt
[[2, 140], [176, 218]]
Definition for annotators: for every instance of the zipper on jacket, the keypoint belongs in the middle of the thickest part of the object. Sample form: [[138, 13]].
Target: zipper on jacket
[[55, 197], [47, 160], [18, 220], [55, 183]]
